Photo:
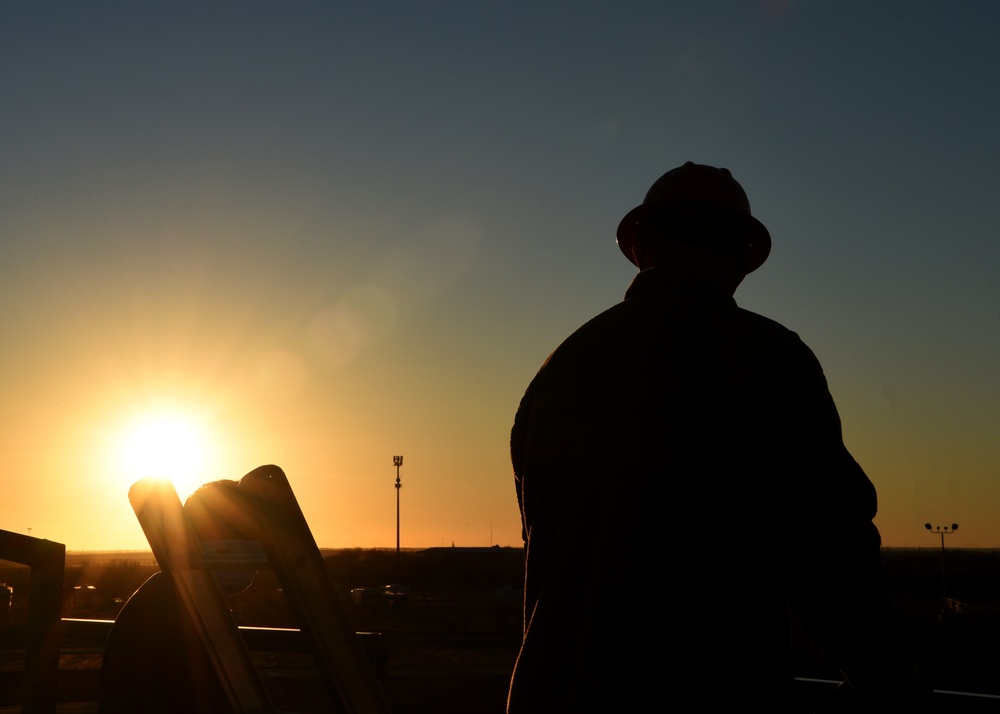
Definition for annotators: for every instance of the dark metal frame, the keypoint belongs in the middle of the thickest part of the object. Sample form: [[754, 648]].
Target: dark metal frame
[[47, 560]]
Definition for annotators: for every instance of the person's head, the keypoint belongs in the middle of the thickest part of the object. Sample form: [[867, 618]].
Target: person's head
[[696, 218], [221, 519]]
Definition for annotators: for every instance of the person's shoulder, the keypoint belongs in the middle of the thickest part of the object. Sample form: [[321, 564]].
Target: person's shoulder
[[621, 318], [774, 343], [765, 326], [149, 608], [156, 587], [605, 331]]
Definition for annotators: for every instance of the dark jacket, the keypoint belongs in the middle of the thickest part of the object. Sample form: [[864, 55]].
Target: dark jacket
[[154, 661], [682, 479]]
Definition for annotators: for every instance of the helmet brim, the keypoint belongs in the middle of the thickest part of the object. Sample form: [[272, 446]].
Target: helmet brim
[[758, 244]]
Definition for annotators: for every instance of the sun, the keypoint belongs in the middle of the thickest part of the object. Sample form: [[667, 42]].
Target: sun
[[166, 444]]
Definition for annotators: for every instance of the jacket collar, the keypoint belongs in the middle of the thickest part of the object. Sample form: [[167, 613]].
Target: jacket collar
[[663, 283]]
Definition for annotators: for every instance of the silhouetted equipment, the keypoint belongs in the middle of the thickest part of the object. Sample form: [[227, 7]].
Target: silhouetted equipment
[[293, 555], [47, 561]]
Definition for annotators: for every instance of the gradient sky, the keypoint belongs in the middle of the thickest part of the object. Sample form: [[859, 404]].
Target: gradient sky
[[321, 234]]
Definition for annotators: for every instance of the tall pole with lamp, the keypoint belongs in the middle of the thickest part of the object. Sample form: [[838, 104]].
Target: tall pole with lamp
[[943, 530], [397, 462]]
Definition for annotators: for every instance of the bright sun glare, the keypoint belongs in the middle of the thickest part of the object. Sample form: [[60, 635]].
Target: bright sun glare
[[167, 445]]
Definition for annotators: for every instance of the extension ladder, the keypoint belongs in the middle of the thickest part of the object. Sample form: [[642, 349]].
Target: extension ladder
[[292, 553]]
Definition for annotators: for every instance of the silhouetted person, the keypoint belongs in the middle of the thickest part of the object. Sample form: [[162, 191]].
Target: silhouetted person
[[682, 481], [154, 660]]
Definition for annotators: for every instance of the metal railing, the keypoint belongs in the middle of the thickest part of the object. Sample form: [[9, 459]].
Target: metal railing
[[47, 560]]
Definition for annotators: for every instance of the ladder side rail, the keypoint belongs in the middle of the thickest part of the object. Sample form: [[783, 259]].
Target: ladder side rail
[[309, 589], [178, 553]]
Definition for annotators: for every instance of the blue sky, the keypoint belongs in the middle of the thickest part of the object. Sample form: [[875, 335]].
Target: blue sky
[[330, 233]]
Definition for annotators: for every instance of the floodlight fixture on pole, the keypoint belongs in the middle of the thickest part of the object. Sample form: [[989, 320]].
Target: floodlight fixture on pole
[[397, 461], [943, 530]]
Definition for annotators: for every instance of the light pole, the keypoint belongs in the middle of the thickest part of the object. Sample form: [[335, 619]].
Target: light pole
[[943, 530], [397, 462]]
